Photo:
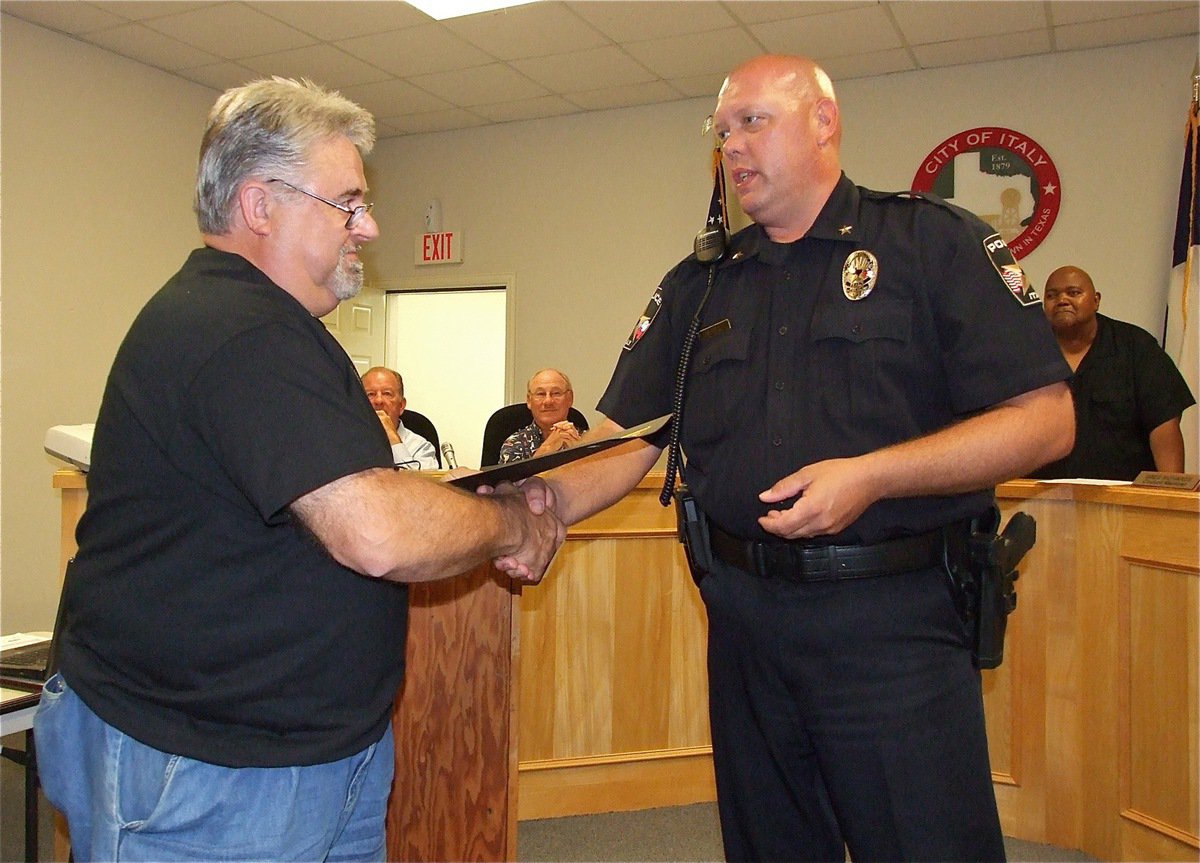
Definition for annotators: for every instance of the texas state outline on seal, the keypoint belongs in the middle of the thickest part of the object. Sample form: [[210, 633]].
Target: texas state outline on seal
[[1002, 176]]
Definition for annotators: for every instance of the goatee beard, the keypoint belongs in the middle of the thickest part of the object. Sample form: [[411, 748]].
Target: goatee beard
[[348, 278]]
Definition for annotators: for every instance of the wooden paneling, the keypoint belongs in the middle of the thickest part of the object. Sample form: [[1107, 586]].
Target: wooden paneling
[[453, 795], [1092, 718], [613, 690]]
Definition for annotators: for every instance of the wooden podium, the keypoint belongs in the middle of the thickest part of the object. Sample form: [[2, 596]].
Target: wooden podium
[[1092, 718], [454, 792]]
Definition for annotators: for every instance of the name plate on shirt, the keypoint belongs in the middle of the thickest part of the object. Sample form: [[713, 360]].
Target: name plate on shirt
[[1177, 481]]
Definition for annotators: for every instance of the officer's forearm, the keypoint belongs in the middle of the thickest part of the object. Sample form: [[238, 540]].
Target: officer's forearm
[[1007, 441], [589, 485]]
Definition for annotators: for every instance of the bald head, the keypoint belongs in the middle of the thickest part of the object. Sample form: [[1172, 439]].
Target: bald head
[[780, 128], [797, 80], [549, 398], [1070, 302]]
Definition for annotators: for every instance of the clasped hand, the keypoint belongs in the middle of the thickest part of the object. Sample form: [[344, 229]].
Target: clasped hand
[[533, 504], [562, 435]]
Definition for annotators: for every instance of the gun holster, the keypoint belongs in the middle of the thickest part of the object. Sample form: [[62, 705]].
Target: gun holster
[[692, 525], [983, 569]]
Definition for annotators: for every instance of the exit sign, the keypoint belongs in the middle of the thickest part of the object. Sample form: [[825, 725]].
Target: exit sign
[[444, 247]]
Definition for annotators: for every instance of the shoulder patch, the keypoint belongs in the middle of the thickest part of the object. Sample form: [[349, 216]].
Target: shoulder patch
[[644, 322], [1009, 270]]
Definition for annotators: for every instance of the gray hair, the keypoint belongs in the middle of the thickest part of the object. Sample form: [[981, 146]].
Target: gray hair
[[265, 128]]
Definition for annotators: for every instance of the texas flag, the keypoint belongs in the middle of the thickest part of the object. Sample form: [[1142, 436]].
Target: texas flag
[[1180, 328]]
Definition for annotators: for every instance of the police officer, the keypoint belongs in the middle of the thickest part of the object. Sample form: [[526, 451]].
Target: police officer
[[867, 367]]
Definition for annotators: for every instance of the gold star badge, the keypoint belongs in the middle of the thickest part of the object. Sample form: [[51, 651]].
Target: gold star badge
[[845, 229]]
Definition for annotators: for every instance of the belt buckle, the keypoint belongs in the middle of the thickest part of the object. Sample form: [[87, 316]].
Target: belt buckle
[[774, 560]]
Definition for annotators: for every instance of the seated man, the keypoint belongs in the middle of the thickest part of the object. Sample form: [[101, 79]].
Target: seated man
[[550, 398], [385, 389], [1129, 395]]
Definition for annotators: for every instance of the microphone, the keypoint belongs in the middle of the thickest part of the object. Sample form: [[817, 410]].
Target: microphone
[[709, 244], [448, 452]]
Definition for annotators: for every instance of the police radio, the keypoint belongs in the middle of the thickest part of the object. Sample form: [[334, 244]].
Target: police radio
[[709, 246], [710, 242]]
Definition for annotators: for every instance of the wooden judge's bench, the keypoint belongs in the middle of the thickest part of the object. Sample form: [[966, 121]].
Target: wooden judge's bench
[[588, 692]]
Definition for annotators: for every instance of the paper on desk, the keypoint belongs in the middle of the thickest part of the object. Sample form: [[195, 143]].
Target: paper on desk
[[1085, 481], [22, 639]]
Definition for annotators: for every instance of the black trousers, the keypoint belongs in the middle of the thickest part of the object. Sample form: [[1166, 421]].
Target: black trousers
[[846, 715]]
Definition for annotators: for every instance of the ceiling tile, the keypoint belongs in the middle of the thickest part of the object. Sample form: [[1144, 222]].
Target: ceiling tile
[[344, 19], [138, 42], [1118, 31], [583, 70], [696, 86], [231, 31], [393, 97], [324, 64], [527, 31], [825, 35], [1078, 11], [982, 49], [652, 19], [623, 97], [220, 76], [386, 130], [75, 18], [925, 22], [760, 11], [526, 109], [869, 64], [143, 10], [695, 54], [436, 121], [415, 50], [479, 85]]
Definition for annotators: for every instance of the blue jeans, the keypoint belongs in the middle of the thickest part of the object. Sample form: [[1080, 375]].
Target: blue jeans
[[126, 801]]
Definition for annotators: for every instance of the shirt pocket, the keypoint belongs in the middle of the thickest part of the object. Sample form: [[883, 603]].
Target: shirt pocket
[[863, 361], [717, 385], [1112, 403]]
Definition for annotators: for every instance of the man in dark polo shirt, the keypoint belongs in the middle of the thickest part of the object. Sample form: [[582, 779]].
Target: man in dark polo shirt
[[1129, 396], [235, 617]]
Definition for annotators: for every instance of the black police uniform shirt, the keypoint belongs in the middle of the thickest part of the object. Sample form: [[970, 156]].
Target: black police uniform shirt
[[200, 619], [1125, 387], [789, 370]]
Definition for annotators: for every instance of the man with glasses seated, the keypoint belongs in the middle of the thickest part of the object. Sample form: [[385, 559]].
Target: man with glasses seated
[[550, 398], [385, 390]]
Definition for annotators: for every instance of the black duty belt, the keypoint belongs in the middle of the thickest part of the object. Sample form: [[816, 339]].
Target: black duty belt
[[800, 562]]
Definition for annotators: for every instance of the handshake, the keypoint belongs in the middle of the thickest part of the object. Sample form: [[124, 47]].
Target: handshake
[[529, 518]]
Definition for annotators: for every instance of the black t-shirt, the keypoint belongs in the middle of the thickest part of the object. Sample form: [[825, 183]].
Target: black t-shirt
[[200, 619], [789, 370], [1125, 387]]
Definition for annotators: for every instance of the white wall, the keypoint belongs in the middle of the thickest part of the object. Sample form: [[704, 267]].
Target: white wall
[[584, 214], [99, 161]]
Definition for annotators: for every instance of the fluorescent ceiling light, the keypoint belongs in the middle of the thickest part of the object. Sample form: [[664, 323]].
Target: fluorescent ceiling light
[[443, 9]]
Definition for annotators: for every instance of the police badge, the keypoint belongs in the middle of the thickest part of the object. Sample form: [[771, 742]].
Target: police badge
[[859, 274]]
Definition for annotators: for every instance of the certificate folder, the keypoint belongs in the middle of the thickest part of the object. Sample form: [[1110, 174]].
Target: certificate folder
[[518, 470]]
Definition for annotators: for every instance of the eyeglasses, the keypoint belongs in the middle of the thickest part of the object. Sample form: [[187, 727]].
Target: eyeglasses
[[356, 213], [542, 395]]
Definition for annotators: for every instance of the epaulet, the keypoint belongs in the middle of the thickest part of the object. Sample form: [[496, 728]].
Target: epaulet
[[924, 198]]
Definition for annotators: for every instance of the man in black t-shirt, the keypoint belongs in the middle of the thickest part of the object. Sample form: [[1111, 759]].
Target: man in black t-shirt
[[235, 617], [1129, 396], [866, 367]]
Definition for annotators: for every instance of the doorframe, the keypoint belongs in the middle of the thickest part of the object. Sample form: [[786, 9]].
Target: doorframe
[[446, 280]]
